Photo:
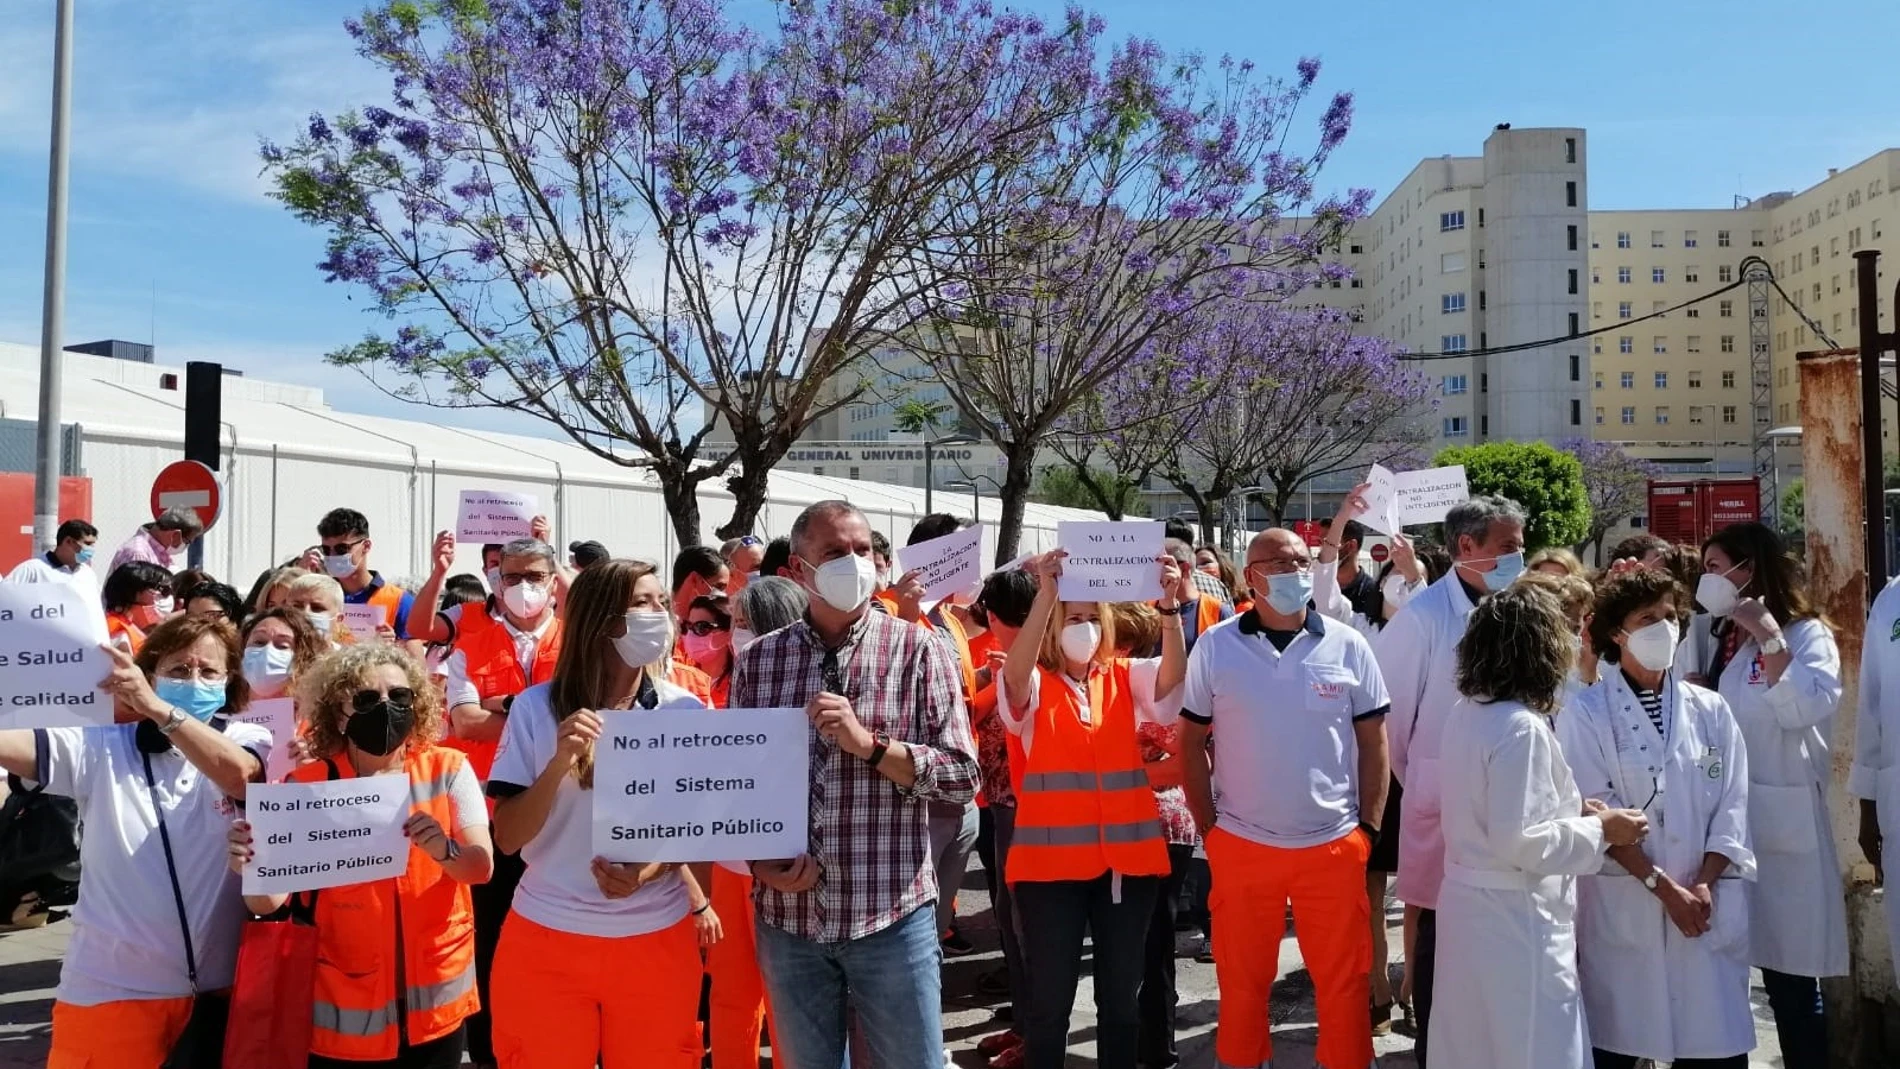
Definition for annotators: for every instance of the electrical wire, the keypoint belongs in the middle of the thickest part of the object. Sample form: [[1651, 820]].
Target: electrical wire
[[1741, 280]]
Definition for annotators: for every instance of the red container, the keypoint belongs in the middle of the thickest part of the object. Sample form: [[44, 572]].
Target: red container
[[1688, 511]]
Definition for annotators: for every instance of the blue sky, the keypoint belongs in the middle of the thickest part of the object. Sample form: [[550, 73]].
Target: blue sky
[[1687, 103]]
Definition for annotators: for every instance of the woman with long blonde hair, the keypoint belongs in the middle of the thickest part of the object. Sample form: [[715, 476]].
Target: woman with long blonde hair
[[599, 961]]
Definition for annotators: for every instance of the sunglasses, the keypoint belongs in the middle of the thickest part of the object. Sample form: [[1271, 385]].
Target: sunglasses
[[341, 549], [752, 541], [366, 700], [702, 628]]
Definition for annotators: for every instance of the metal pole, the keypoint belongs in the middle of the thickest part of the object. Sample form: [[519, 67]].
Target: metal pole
[[1872, 345], [47, 468], [927, 477], [976, 501]]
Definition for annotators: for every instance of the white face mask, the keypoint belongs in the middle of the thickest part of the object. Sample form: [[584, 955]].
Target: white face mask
[[163, 606], [648, 635], [741, 638], [322, 621], [494, 580], [267, 669], [1716, 592], [526, 599], [340, 567], [1079, 640], [846, 583], [1654, 646]]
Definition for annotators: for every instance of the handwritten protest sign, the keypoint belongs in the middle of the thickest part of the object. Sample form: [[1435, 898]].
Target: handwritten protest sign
[[691, 785], [947, 565], [279, 717], [50, 661], [363, 620], [1404, 499], [1111, 561], [308, 836], [494, 516]]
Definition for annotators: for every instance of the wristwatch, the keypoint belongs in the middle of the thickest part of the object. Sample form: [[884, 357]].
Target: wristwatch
[[172, 721], [1165, 611], [1653, 880], [881, 745], [1774, 645], [452, 853]]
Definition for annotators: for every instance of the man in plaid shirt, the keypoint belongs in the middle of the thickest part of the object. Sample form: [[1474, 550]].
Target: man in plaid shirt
[[856, 912]]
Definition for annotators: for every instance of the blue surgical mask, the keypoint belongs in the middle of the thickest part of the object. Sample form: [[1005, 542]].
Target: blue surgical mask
[[84, 556], [200, 699], [1289, 593], [1509, 567]]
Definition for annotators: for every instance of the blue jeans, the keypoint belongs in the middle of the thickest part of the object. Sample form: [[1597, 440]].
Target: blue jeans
[[900, 972]]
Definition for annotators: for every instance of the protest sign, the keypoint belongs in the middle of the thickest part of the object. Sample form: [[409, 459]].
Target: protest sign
[[1111, 561], [279, 717], [947, 565], [494, 516], [1408, 498], [307, 836], [694, 785], [50, 661], [363, 620]]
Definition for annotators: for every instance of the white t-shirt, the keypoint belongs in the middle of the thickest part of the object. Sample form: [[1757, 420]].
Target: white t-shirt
[[558, 891], [125, 940], [38, 569], [1288, 767]]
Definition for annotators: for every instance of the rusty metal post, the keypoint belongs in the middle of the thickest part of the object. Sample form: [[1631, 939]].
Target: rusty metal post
[[1872, 345]]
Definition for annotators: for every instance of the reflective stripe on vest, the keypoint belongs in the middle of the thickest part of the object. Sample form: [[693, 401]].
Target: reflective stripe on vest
[[1085, 781], [373, 1022], [1071, 835], [425, 790]]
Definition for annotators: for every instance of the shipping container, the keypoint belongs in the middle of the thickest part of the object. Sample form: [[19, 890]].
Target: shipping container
[[1688, 511]]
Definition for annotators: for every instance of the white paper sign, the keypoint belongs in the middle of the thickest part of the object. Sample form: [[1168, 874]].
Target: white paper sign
[[948, 565], [50, 661], [362, 621], [308, 836], [698, 785], [1409, 498], [279, 717], [495, 516], [1111, 560]]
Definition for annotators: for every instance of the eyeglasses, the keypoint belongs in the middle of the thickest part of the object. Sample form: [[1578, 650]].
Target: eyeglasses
[[341, 549], [188, 672], [364, 701], [1283, 566], [517, 578], [702, 628]]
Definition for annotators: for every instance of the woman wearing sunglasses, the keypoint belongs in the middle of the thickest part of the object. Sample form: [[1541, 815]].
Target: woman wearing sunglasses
[[1662, 929], [707, 641], [407, 941], [599, 961]]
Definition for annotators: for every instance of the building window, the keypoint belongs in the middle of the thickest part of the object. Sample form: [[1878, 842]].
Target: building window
[[1622, 239], [1662, 413], [1661, 345], [1833, 248], [1725, 273], [1728, 380], [1721, 238], [1451, 343], [1573, 280], [1456, 427], [1570, 150], [1692, 273], [1692, 313], [1656, 274], [1629, 414], [1625, 309], [1358, 249], [1754, 238], [1451, 262], [1576, 412], [1876, 228], [1695, 413], [1596, 309], [1695, 377], [1455, 384], [1728, 413], [1450, 303], [1728, 344], [1623, 275], [1451, 221], [1694, 344], [1626, 345], [1662, 378], [1570, 194], [1576, 368], [1628, 380], [1572, 231], [1688, 239], [1574, 327], [1599, 415], [1726, 310], [1358, 283]]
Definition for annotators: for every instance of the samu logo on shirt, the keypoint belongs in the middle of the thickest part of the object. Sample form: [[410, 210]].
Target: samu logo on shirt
[[1327, 690], [1756, 674]]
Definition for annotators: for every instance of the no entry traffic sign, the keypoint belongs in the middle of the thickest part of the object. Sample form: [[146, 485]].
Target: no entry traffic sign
[[1380, 553], [188, 484]]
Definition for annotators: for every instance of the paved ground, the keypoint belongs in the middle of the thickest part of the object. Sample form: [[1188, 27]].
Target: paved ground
[[29, 967]]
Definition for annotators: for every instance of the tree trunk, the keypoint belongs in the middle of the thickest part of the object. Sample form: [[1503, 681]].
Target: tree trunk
[[1018, 475], [1276, 506], [1111, 505], [680, 492], [748, 485]]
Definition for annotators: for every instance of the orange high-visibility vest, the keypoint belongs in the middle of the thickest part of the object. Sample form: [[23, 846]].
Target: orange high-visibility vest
[[388, 598], [960, 641], [692, 679], [421, 922], [488, 649], [1083, 804]]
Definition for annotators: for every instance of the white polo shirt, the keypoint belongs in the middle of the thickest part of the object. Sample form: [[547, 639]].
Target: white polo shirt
[[1287, 768]]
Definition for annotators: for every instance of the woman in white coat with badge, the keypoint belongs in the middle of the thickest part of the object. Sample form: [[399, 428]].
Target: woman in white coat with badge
[[1772, 657], [1517, 834], [1662, 930]]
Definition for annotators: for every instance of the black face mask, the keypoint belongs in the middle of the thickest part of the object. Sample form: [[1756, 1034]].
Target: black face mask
[[380, 728]]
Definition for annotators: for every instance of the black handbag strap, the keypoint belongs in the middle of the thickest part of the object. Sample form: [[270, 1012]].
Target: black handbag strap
[[171, 869]]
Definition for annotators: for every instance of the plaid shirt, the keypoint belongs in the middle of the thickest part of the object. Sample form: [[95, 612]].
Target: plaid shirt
[[870, 837], [1212, 587]]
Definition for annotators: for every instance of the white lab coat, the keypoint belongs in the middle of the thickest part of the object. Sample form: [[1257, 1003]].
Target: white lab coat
[[1515, 841], [1876, 772], [1798, 902], [1649, 990], [1418, 655], [1332, 602]]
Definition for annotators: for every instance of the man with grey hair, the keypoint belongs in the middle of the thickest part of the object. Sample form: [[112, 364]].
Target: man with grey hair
[[1418, 654], [158, 542], [853, 919], [1203, 611]]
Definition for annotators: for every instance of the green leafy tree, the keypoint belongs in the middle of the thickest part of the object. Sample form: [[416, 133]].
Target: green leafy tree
[[1793, 509], [917, 416], [1546, 481], [1114, 496]]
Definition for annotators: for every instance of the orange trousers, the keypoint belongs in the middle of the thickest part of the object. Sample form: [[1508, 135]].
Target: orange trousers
[[1326, 885], [566, 1001], [739, 1006], [131, 1034]]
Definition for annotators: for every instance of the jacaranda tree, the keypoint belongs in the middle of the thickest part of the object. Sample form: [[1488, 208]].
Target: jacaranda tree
[[654, 228]]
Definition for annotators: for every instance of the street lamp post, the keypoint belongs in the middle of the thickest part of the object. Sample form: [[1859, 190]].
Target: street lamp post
[[47, 468], [976, 497], [930, 446]]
